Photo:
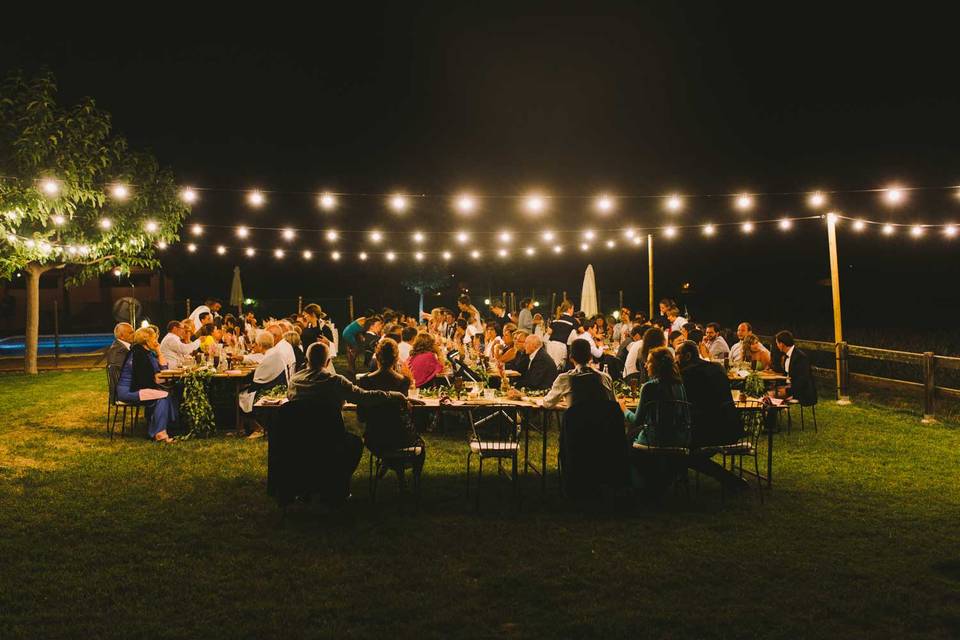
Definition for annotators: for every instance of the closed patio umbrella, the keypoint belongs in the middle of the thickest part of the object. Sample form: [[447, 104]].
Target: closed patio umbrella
[[588, 296], [236, 291]]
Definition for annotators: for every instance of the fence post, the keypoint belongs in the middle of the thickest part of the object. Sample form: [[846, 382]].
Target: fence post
[[553, 307], [56, 335], [929, 388], [188, 308], [843, 373], [621, 300], [299, 305], [350, 308]]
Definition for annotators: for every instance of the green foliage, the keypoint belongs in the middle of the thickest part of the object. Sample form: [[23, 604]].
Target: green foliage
[[195, 409], [74, 147], [425, 278], [754, 386]]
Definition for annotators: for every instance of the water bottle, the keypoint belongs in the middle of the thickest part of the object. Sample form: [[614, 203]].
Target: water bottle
[[606, 370]]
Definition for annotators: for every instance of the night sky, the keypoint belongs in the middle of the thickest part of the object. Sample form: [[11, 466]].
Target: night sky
[[624, 99]]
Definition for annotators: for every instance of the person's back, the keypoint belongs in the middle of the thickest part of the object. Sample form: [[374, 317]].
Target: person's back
[[386, 426], [713, 415]]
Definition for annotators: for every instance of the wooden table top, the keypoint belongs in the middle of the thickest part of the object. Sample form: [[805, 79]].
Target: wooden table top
[[229, 373]]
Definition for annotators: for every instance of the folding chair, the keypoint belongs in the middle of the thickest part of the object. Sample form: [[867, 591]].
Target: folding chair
[[496, 436], [752, 417], [113, 377]]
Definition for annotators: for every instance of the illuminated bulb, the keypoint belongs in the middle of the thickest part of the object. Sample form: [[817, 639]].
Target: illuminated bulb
[[160, 245], [475, 254], [505, 236], [73, 250], [363, 255], [630, 234], [251, 252], [188, 195], [670, 231], [120, 191], [535, 203], [191, 247], [30, 244], [888, 229], [916, 231], [589, 234], [447, 255], [50, 187], [288, 234], [196, 230], [335, 255], [744, 201], [58, 220], [894, 195], [557, 249], [584, 246], [418, 256], [530, 251], [747, 227], [105, 223], [709, 230], [116, 272], [859, 225], [604, 204], [44, 247], [151, 227], [674, 203], [786, 223], [486, 301], [950, 231], [463, 237], [256, 198], [278, 253], [548, 236], [391, 256], [418, 237], [502, 253], [133, 242], [398, 203], [332, 235], [376, 236], [611, 244], [221, 250], [84, 250], [817, 199], [328, 201], [242, 232], [466, 204]]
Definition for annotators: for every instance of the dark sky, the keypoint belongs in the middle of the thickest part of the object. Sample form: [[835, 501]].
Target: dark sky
[[501, 97]]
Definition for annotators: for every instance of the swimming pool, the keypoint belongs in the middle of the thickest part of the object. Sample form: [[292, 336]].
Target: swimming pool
[[72, 343]]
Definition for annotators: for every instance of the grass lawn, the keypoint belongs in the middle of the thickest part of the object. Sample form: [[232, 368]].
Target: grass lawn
[[131, 539]]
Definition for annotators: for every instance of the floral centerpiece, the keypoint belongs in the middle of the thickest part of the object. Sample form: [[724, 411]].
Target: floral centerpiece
[[196, 409]]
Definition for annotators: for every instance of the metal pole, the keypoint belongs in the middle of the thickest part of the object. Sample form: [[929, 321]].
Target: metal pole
[[650, 270], [835, 288], [56, 335], [621, 300], [350, 308], [299, 305], [553, 304], [188, 308]]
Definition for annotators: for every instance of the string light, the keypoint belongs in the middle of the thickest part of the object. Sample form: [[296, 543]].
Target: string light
[[188, 195], [674, 203], [505, 237], [332, 235], [120, 192], [950, 231], [475, 254], [251, 252], [747, 227], [256, 198], [548, 236], [629, 234], [584, 246], [328, 201], [105, 223], [398, 203], [221, 250], [197, 230], [117, 272], [894, 195], [817, 199], [916, 230], [391, 256], [278, 253], [535, 203], [786, 224], [418, 237], [84, 250], [289, 234], [611, 244], [604, 204], [418, 256], [376, 237], [709, 230], [151, 226], [637, 240], [465, 203], [557, 249], [463, 237], [502, 253], [30, 244], [160, 245], [888, 229], [242, 232], [744, 202], [832, 218], [530, 251], [50, 187], [363, 255], [589, 234], [670, 231], [59, 220], [447, 255], [308, 255], [335, 255], [859, 225], [191, 248]]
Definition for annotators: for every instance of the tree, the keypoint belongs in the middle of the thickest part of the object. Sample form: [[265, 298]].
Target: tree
[[73, 196], [424, 279]]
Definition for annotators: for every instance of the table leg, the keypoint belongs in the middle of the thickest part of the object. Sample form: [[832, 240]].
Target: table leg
[[526, 449], [770, 458], [544, 425], [236, 403]]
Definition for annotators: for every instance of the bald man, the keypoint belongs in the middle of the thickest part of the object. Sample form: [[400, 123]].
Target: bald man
[[736, 351], [542, 370]]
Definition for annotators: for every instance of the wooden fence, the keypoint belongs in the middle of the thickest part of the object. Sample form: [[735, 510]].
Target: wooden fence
[[928, 363]]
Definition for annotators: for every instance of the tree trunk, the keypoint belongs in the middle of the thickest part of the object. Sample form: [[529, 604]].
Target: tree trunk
[[32, 329]]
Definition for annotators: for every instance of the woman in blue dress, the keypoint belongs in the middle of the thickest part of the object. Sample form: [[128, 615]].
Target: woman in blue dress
[[139, 374]]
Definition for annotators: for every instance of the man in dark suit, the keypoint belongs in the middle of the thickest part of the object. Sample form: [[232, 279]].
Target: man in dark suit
[[117, 352], [796, 364], [542, 370]]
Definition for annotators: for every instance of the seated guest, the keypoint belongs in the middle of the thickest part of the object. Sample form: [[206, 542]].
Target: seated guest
[[654, 426], [562, 390], [278, 361], [713, 346], [539, 328], [325, 390], [676, 337], [506, 349], [208, 338], [541, 370], [387, 428], [175, 347], [736, 351], [424, 363], [370, 338], [299, 358], [490, 340], [263, 343], [139, 384], [663, 307], [675, 319], [695, 335], [520, 360], [755, 353], [117, 352], [408, 335], [500, 317], [652, 338], [632, 348], [797, 366], [713, 414], [621, 330]]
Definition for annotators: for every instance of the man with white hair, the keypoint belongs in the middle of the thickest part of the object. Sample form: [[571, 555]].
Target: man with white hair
[[542, 370], [263, 344], [122, 337]]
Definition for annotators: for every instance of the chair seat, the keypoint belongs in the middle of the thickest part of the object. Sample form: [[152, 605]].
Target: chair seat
[[652, 449], [743, 449], [406, 452], [121, 403], [494, 449]]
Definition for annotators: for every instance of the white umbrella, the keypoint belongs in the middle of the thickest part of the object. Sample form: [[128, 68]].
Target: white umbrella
[[588, 296], [236, 291]]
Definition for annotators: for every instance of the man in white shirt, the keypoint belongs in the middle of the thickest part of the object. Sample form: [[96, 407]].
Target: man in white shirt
[[744, 329], [262, 344], [562, 389], [713, 347], [175, 346], [195, 316], [633, 352], [675, 319], [407, 336], [621, 330]]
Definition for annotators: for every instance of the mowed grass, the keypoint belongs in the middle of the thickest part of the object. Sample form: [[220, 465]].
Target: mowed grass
[[131, 539]]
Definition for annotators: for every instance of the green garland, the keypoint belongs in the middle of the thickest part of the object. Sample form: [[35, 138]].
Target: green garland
[[195, 409], [754, 386]]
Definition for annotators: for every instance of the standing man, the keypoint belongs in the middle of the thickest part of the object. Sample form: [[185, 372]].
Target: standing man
[[525, 319], [563, 326]]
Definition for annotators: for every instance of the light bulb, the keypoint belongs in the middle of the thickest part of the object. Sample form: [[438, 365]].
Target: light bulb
[[466, 203], [398, 203], [150, 226], [256, 198], [197, 230], [328, 201], [744, 201], [674, 203], [105, 223], [817, 199], [604, 204], [709, 230], [307, 254], [289, 234], [120, 192], [188, 195], [463, 237], [786, 224], [747, 227], [332, 235], [242, 232], [221, 250]]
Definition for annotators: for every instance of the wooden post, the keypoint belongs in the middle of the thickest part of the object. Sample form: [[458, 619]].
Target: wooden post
[[842, 398], [553, 306], [350, 308], [621, 300], [843, 369], [929, 388], [650, 270], [299, 305], [56, 335], [188, 308]]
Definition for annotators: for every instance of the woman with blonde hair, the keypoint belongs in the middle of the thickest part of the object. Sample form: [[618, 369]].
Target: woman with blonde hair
[[140, 384]]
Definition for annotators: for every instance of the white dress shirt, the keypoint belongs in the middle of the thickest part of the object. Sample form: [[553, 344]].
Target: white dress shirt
[[175, 351], [404, 348], [786, 362], [677, 324], [718, 348], [595, 351], [195, 316], [736, 352], [562, 388], [633, 352]]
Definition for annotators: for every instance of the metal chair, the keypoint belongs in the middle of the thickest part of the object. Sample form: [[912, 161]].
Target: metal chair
[[400, 460], [668, 428], [113, 377], [752, 414], [496, 436], [793, 402]]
